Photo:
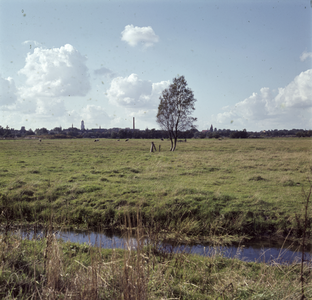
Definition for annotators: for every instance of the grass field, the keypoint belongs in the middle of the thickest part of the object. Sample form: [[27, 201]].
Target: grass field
[[206, 187]]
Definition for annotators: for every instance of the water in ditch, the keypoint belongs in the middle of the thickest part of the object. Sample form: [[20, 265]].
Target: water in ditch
[[251, 251]]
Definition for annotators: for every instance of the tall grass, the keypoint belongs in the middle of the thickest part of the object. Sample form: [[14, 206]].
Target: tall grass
[[48, 268], [305, 234]]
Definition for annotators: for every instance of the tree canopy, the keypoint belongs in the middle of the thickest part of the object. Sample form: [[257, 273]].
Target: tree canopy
[[175, 109]]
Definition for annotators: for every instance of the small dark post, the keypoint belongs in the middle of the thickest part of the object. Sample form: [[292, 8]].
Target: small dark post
[[159, 147], [153, 147]]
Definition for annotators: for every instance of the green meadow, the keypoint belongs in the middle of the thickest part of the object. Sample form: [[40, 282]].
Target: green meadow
[[207, 187], [207, 190]]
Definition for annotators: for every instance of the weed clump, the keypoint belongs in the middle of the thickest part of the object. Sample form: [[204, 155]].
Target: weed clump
[[256, 178]]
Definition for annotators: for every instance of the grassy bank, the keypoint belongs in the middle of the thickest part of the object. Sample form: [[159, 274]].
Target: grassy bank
[[51, 269], [207, 187]]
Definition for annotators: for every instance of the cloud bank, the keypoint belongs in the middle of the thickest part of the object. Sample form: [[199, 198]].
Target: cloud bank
[[271, 109], [139, 35]]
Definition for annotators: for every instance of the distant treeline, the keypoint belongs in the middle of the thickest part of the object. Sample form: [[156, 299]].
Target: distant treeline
[[119, 133]]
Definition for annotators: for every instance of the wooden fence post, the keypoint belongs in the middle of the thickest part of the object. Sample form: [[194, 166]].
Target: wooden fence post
[[153, 147]]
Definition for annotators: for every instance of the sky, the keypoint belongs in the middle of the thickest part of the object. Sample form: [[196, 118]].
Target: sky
[[248, 62]]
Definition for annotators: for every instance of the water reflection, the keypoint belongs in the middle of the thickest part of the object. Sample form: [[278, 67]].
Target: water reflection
[[252, 251]]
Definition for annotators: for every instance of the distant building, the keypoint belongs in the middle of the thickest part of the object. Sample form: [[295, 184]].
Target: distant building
[[211, 128], [82, 126]]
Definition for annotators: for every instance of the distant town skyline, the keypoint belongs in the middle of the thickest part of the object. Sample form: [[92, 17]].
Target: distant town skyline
[[106, 62]]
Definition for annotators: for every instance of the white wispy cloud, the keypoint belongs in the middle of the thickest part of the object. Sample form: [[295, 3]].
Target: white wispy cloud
[[31, 42], [134, 35], [286, 107], [305, 55], [105, 72], [8, 95]]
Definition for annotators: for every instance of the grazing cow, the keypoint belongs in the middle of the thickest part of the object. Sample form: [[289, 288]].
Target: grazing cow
[[161, 139], [127, 140], [117, 140], [97, 140], [39, 140]]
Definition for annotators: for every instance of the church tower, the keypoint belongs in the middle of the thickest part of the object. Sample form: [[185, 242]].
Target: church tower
[[82, 126]]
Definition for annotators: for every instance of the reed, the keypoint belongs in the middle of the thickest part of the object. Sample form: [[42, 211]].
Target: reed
[[305, 234], [48, 268]]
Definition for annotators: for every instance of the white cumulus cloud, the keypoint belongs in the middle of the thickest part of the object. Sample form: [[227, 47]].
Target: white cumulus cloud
[[297, 94], [51, 75], [136, 98], [305, 55], [288, 107], [134, 93], [135, 35], [55, 72]]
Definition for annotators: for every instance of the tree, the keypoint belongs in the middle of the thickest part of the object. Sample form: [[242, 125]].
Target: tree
[[239, 134], [175, 109], [41, 131], [30, 132], [7, 132]]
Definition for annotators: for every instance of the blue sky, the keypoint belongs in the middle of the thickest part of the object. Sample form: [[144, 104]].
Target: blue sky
[[105, 62]]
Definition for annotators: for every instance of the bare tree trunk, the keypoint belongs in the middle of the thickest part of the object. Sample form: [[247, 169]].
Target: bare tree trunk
[[175, 144], [171, 141]]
